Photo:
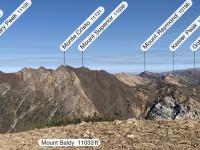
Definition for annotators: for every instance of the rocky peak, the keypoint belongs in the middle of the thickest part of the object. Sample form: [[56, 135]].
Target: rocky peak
[[150, 75], [33, 96]]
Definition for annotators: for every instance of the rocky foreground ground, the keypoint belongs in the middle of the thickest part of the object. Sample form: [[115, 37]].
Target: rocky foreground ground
[[130, 134]]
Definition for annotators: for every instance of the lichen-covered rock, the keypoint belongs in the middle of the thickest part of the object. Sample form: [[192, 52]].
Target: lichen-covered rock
[[166, 109]]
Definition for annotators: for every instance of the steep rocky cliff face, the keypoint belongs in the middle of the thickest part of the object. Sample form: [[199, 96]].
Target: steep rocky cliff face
[[171, 96], [33, 96]]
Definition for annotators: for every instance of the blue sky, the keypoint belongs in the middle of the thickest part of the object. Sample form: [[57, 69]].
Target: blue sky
[[34, 40]]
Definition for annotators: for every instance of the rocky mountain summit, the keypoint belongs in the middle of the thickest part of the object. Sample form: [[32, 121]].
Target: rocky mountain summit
[[117, 135], [31, 97]]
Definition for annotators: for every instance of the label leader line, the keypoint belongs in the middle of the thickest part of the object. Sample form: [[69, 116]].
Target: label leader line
[[166, 25], [184, 36], [81, 29], [194, 47], [102, 27], [14, 16]]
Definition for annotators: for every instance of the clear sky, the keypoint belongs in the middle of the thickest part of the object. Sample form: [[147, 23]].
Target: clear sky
[[34, 40]]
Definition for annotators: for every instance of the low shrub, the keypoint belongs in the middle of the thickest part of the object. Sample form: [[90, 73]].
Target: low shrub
[[77, 120]]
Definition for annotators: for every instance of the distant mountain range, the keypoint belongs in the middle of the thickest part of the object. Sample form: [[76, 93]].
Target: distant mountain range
[[31, 97]]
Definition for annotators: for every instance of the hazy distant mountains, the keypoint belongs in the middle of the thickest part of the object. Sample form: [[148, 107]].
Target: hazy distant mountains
[[33, 96]]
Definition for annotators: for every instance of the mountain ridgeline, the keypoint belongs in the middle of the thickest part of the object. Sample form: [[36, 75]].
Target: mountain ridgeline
[[32, 97]]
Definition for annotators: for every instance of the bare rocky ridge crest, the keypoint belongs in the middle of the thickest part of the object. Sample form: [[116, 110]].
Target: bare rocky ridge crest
[[33, 96]]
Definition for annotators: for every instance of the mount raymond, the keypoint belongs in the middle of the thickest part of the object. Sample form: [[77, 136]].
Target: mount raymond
[[32, 97]]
